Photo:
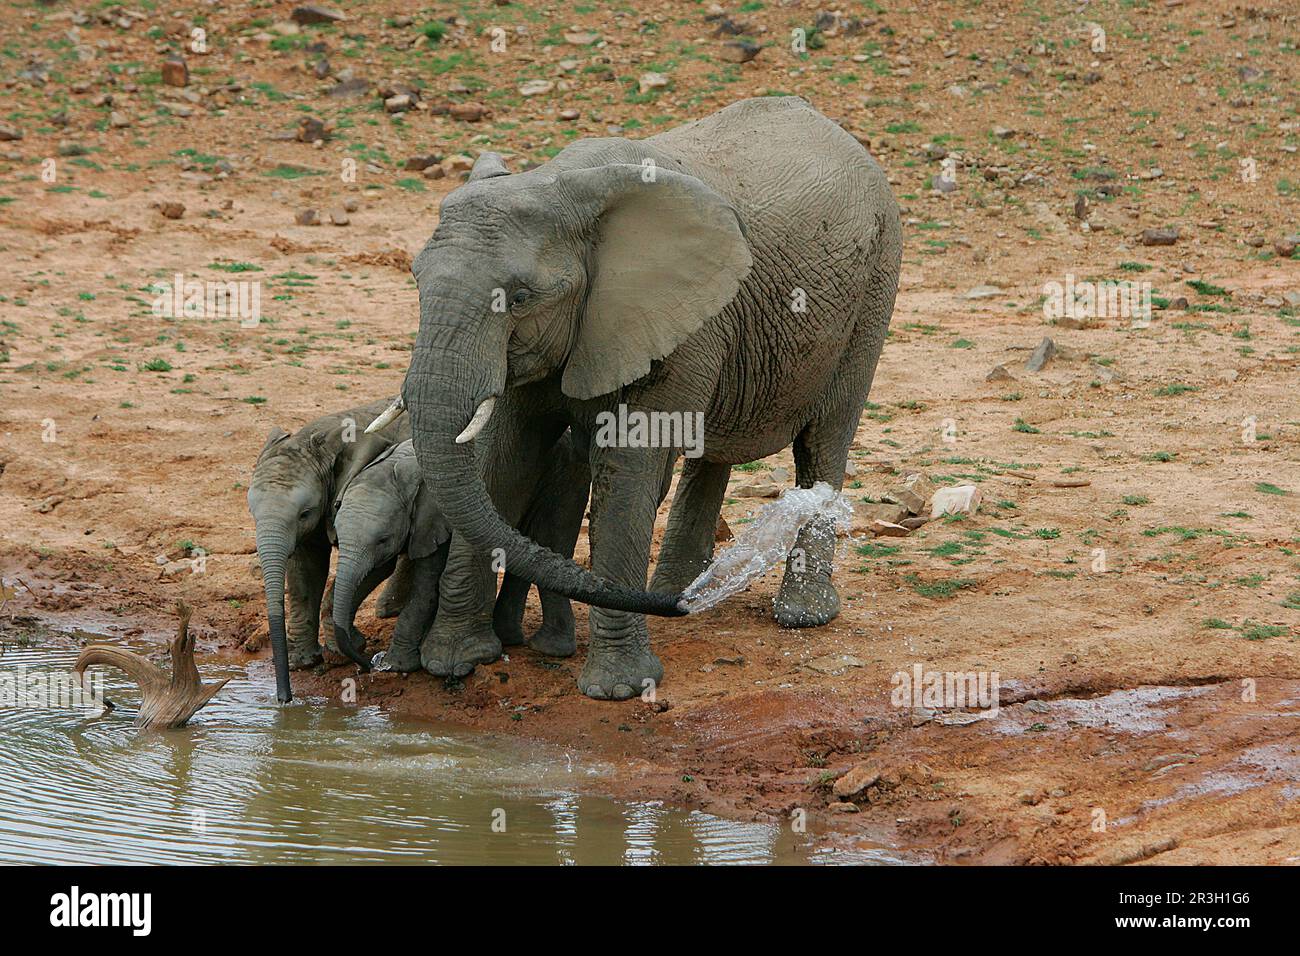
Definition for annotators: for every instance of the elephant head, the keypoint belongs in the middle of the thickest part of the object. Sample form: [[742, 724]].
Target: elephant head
[[582, 269], [289, 497], [383, 512]]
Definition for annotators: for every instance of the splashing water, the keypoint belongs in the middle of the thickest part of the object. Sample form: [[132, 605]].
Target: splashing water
[[765, 542]]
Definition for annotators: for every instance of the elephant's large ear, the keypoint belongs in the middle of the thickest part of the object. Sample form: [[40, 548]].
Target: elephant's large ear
[[276, 436], [668, 254], [429, 529], [487, 166], [356, 455]]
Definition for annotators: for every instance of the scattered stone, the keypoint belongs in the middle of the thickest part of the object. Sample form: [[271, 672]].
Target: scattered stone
[[569, 115], [398, 103], [118, 120], [434, 172], [175, 73], [983, 292], [321, 69], [350, 87], [914, 522], [1160, 237], [351, 205], [307, 217], [865, 514], [652, 81], [959, 499], [763, 489], [943, 184], [886, 529], [855, 781], [49, 504], [833, 664], [9, 133], [581, 39], [312, 130], [339, 217], [459, 163], [780, 473], [171, 210], [1286, 246], [850, 469], [1021, 69], [1043, 354], [999, 373], [536, 88], [739, 51], [912, 493], [840, 806], [419, 163], [308, 15], [1002, 132], [469, 112], [1292, 298], [722, 532]]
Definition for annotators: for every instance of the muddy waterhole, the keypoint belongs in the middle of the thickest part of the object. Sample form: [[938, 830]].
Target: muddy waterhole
[[252, 782]]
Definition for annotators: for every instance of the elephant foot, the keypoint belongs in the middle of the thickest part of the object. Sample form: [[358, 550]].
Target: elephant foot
[[303, 656], [672, 578], [403, 658], [387, 605], [555, 640], [806, 601], [456, 653], [620, 671]]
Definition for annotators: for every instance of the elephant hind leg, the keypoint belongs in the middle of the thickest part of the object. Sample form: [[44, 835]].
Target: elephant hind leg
[[508, 612]]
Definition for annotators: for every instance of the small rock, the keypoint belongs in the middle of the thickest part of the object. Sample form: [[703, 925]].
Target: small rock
[[398, 103], [840, 806], [1041, 355], [581, 39], [1160, 237], [999, 373], [569, 115], [1002, 132], [859, 778], [9, 133], [118, 120], [914, 522], [885, 529], [339, 216], [459, 163], [1292, 298], [763, 489], [959, 499], [739, 51], [652, 81], [912, 492], [536, 88], [469, 112], [850, 469], [307, 217], [418, 163], [722, 532], [311, 14], [175, 73], [1286, 247], [833, 664], [172, 210], [983, 292], [311, 130], [780, 473], [434, 172]]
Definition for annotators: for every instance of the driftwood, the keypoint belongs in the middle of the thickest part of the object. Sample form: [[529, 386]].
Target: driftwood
[[168, 700]]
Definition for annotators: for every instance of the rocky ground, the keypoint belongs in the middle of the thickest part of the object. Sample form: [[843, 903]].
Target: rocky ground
[[1131, 575]]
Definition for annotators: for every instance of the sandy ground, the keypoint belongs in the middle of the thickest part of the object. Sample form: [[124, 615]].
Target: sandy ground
[[1132, 576]]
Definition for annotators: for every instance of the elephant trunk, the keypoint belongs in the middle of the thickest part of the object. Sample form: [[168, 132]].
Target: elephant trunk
[[272, 553], [447, 408], [354, 566]]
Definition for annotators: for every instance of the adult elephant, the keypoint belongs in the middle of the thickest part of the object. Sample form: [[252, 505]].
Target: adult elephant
[[742, 267]]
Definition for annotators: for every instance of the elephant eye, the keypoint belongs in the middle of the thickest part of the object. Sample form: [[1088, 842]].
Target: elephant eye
[[520, 297], [306, 513]]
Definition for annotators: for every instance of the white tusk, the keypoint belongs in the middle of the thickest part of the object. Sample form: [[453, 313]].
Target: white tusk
[[477, 422], [390, 415]]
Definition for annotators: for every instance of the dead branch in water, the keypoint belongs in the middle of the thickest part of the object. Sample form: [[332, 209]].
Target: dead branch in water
[[168, 701]]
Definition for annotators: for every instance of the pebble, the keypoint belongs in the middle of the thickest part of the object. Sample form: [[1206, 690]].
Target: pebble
[[652, 81], [959, 499], [569, 115], [739, 51], [307, 217], [339, 217], [172, 210], [536, 88], [1042, 354], [1166, 236], [175, 73], [312, 14], [9, 132]]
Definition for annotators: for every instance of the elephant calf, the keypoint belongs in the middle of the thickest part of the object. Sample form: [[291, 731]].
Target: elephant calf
[[294, 482], [387, 511]]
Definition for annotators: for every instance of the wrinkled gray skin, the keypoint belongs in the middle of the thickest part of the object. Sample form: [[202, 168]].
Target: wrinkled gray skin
[[748, 274], [290, 495], [387, 511]]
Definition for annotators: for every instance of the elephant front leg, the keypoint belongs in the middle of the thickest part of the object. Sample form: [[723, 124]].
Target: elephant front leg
[[397, 592], [625, 494], [692, 526], [305, 576], [418, 614], [462, 636]]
